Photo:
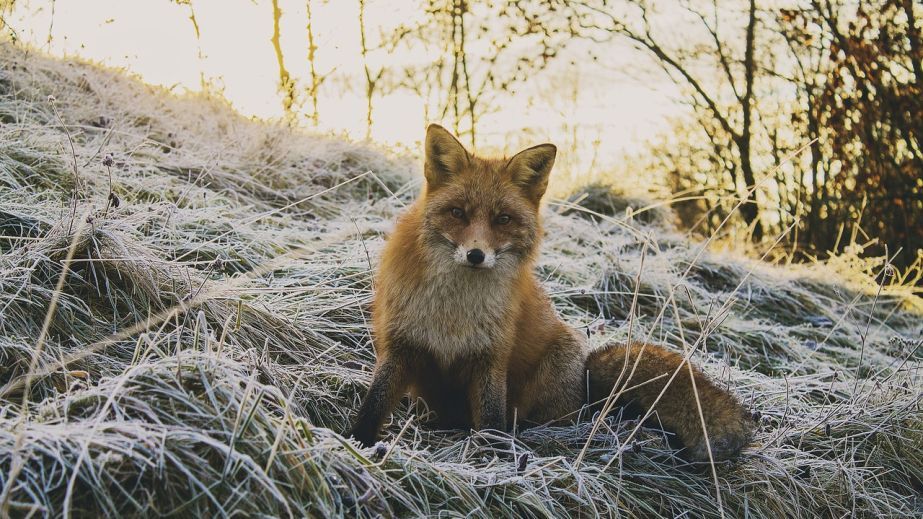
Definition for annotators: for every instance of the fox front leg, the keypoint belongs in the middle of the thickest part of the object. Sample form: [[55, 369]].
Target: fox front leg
[[388, 385], [488, 398]]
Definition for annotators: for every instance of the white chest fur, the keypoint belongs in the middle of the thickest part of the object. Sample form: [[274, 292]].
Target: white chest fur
[[455, 312]]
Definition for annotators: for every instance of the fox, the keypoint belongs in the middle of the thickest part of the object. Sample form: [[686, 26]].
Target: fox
[[460, 320]]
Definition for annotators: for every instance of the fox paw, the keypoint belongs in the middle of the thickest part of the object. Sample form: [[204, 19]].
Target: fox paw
[[366, 436]]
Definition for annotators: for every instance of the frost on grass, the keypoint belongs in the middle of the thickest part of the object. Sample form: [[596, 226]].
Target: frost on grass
[[209, 340]]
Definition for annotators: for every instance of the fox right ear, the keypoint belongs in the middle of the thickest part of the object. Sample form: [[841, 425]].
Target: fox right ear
[[445, 156], [530, 169]]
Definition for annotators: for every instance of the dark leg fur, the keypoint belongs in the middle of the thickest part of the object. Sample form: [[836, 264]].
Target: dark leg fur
[[729, 426], [388, 385], [488, 398]]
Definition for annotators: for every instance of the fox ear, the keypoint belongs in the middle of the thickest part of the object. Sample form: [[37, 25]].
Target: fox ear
[[445, 156], [530, 169]]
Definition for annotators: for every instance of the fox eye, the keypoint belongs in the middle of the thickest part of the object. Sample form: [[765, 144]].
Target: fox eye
[[458, 213], [503, 219]]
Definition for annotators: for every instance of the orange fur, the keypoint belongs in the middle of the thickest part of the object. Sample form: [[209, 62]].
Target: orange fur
[[480, 340]]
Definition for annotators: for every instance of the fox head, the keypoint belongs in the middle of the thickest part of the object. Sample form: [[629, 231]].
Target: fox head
[[482, 213]]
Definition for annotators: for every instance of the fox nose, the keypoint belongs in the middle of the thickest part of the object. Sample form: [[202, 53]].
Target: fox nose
[[475, 256]]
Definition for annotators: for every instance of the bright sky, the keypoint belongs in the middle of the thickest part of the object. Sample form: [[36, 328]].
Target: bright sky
[[155, 39]]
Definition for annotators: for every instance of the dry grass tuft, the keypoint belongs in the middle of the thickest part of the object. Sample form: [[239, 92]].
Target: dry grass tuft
[[210, 337]]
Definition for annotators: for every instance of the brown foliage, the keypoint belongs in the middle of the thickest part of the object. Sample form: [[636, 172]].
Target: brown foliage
[[862, 98]]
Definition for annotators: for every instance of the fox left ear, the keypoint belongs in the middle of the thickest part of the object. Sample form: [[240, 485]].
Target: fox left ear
[[445, 156], [530, 169]]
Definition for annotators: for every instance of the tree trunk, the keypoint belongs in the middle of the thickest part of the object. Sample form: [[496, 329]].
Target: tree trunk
[[315, 82], [749, 210], [195, 27], [286, 85], [369, 80]]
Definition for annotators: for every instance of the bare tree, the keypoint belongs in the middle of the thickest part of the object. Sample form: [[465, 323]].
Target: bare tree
[[514, 42], [200, 55], [727, 123], [371, 79], [54, 3], [855, 71], [6, 7], [314, 78], [286, 83]]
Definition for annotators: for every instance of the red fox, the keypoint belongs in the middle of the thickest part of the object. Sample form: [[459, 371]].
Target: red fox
[[460, 320]]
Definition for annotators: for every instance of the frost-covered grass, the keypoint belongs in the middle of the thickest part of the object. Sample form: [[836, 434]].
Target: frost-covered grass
[[195, 343]]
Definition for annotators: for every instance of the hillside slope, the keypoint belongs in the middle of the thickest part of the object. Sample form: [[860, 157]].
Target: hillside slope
[[196, 340]]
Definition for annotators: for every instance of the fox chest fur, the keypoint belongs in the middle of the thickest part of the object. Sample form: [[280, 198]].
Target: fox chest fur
[[453, 313]]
